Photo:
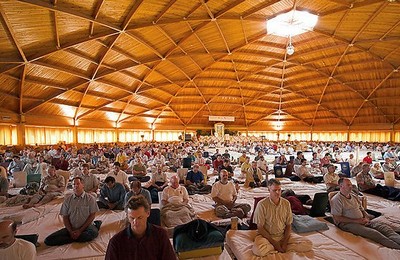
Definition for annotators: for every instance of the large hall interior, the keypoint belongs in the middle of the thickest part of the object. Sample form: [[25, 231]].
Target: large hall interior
[[171, 85]]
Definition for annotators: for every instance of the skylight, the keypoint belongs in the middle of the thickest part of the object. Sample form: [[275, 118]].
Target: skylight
[[291, 23]]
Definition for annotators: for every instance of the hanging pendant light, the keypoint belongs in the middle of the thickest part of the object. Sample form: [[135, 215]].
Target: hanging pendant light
[[290, 47]]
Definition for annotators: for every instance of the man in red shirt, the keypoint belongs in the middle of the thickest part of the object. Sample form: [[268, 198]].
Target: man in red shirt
[[140, 240], [368, 158]]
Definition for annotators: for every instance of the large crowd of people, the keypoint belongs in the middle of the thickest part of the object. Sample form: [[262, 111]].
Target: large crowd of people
[[140, 169]]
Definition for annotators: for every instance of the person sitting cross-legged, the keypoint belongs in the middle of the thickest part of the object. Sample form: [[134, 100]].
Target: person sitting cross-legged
[[139, 171], [254, 177], [224, 194], [51, 186], [78, 212], [176, 209], [159, 181], [273, 217], [304, 173], [112, 195], [349, 215], [195, 182]]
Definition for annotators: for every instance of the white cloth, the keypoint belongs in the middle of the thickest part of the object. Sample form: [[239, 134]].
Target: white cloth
[[19, 250], [175, 196]]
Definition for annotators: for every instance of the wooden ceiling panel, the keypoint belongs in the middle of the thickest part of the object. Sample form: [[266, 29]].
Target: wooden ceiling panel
[[146, 101], [135, 49], [55, 74], [38, 91], [56, 110], [115, 11], [113, 58], [12, 102], [70, 62], [153, 39], [32, 26], [188, 66], [171, 71], [110, 88], [69, 27], [212, 39], [9, 85], [116, 106], [9, 51], [91, 101]]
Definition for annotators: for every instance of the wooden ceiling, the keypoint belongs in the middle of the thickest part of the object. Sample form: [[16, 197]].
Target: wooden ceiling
[[173, 63]]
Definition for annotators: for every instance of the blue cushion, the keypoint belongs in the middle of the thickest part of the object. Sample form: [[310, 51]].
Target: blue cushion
[[184, 243], [304, 223]]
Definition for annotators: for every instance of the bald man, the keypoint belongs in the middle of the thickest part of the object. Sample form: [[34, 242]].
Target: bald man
[[11, 247], [175, 193]]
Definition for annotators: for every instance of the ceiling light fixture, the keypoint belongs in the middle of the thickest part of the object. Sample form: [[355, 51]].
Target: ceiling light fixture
[[290, 47]]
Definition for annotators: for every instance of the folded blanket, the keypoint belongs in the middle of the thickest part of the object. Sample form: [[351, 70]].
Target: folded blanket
[[305, 223], [200, 198], [173, 215]]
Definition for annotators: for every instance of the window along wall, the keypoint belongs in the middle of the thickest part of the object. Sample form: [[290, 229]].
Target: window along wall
[[53, 135], [364, 136]]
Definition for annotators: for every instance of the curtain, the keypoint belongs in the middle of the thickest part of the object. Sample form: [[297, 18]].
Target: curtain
[[165, 136], [370, 136], [8, 135], [47, 135], [86, 136], [133, 135], [329, 136]]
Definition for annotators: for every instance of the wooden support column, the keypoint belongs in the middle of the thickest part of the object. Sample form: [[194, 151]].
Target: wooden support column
[[21, 131], [75, 134], [116, 139], [348, 134], [392, 134], [21, 134]]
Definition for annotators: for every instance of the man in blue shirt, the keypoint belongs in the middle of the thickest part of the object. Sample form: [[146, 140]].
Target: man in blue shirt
[[112, 195], [195, 176], [195, 182]]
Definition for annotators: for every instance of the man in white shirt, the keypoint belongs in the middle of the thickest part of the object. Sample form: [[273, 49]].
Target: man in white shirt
[[14, 248], [119, 175], [174, 193], [224, 194]]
